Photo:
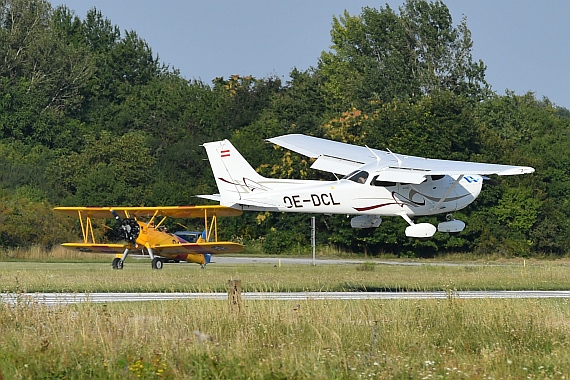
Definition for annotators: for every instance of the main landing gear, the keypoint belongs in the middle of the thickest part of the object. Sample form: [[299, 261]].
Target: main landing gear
[[117, 263], [424, 231], [157, 263]]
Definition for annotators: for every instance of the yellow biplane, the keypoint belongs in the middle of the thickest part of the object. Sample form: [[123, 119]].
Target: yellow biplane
[[150, 237]]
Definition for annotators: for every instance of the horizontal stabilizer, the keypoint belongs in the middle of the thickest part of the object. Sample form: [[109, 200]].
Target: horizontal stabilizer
[[212, 197], [259, 203]]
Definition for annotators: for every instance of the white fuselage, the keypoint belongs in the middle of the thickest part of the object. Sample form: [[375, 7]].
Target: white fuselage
[[347, 196]]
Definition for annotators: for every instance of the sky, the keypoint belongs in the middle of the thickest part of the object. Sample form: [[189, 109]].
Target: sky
[[523, 43]]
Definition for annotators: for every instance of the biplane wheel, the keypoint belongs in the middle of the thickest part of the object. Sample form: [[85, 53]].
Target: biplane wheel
[[116, 263], [120, 264], [157, 263]]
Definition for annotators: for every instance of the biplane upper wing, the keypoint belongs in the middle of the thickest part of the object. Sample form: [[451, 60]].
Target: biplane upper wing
[[170, 211], [341, 158]]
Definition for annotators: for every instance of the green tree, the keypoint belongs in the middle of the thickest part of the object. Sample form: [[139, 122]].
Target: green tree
[[27, 219], [381, 55], [109, 171], [41, 76]]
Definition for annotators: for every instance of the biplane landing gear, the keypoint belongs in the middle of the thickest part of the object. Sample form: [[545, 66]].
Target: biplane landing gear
[[118, 263], [157, 263]]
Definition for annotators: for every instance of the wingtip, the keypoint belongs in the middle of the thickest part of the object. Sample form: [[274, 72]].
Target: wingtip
[[517, 170]]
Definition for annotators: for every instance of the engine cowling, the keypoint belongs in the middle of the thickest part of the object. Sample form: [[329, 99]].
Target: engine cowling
[[365, 221]]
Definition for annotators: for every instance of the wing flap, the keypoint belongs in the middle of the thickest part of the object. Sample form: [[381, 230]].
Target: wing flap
[[402, 175], [335, 165]]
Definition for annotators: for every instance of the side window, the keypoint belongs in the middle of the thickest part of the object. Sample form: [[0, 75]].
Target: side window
[[359, 177], [376, 182]]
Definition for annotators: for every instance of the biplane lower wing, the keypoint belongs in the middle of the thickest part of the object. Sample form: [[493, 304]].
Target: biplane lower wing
[[202, 248], [167, 251], [97, 248]]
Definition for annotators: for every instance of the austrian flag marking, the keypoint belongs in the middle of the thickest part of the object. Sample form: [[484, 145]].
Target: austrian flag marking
[[225, 153]]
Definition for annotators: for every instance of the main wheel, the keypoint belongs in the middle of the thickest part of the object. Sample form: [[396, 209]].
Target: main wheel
[[157, 263], [116, 263], [120, 264]]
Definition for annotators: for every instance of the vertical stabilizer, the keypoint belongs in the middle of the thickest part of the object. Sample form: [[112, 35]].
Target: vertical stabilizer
[[234, 175]]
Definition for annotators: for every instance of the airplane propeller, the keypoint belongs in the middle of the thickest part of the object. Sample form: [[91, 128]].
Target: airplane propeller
[[129, 227]]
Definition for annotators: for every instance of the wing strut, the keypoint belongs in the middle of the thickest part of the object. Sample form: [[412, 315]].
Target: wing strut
[[451, 188]]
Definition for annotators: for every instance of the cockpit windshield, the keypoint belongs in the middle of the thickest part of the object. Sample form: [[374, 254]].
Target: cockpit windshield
[[350, 174], [359, 176]]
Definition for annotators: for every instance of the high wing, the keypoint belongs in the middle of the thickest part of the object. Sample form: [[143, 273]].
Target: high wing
[[170, 211], [341, 158]]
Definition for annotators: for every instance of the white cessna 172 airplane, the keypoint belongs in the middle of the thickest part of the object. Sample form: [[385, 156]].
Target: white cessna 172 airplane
[[376, 183]]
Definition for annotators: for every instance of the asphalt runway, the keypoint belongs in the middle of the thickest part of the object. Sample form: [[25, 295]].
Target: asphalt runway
[[234, 260], [53, 299]]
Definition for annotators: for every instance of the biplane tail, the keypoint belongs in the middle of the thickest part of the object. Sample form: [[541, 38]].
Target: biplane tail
[[235, 177]]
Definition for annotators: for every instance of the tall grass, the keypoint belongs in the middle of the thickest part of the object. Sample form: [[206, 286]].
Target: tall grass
[[56, 254], [453, 339]]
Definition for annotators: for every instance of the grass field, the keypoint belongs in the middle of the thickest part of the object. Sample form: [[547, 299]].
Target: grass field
[[31, 276], [408, 339]]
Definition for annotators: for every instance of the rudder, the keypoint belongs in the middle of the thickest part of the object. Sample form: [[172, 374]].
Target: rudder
[[233, 174]]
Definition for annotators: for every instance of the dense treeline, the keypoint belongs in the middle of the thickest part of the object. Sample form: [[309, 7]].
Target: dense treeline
[[89, 116]]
